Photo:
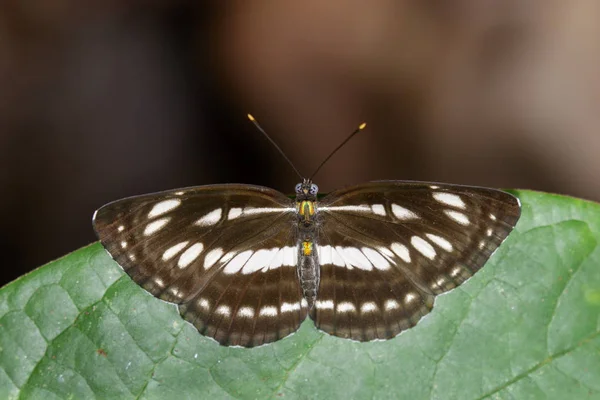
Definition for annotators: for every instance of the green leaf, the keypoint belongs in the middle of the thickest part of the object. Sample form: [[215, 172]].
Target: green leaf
[[526, 326]]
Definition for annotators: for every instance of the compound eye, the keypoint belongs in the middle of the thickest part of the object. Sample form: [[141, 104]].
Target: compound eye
[[314, 189], [299, 188]]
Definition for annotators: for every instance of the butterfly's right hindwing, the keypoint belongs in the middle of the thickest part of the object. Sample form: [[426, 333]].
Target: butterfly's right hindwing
[[225, 253]]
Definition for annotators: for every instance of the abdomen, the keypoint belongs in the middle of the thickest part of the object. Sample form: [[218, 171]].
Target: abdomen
[[308, 271]]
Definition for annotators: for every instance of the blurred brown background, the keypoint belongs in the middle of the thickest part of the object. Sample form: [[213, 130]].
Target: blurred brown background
[[107, 99]]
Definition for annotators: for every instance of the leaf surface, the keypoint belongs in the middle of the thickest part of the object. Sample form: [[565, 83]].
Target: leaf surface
[[526, 326]]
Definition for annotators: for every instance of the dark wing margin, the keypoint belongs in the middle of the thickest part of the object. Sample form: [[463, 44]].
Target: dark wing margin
[[388, 248], [226, 254]]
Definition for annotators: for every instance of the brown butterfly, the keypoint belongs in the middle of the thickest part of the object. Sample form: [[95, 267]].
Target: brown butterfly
[[247, 264]]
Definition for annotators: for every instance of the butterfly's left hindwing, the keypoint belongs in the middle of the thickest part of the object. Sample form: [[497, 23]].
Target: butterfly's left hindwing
[[386, 249], [226, 254]]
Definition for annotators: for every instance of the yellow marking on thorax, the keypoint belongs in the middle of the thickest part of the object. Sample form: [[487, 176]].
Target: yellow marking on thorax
[[307, 248], [306, 208]]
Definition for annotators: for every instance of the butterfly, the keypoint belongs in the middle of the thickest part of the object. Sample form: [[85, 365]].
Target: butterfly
[[246, 264]]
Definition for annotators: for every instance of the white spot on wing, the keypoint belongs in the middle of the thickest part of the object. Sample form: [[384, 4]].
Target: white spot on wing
[[188, 256], [410, 297], [391, 305], [385, 251], [403, 213], [493, 217], [269, 311], [204, 304], [123, 244], [247, 312], [223, 310], [489, 232], [156, 226], [378, 209], [329, 255], [440, 241], [423, 247], [324, 304], [173, 250], [259, 260], [455, 271], [336, 258], [237, 262], [360, 208], [458, 217], [376, 259], [225, 259], [401, 251], [121, 228], [289, 307], [324, 253], [174, 291], [368, 307], [359, 259], [266, 210], [277, 260], [163, 207], [285, 256], [212, 218], [449, 199], [345, 306], [234, 213], [355, 258], [290, 256], [212, 257]]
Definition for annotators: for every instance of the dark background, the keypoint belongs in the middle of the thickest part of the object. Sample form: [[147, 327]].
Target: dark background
[[105, 99]]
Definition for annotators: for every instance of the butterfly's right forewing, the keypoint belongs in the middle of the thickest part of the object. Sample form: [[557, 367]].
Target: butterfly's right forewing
[[226, 254]]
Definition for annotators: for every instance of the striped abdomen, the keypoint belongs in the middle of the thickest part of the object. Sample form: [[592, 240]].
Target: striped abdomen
[[308, 271]]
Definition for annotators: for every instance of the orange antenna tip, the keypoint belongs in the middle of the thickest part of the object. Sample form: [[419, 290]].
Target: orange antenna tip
[[251, 118], [362, 126]]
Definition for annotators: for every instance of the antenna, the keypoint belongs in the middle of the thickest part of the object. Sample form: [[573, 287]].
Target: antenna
[[251, 118], [360, 128]]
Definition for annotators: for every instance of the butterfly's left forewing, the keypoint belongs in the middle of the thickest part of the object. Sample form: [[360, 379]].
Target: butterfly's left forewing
[[226, 254], [386, 249]]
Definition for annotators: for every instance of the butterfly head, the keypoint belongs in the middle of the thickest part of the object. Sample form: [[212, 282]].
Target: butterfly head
[[306, 191]]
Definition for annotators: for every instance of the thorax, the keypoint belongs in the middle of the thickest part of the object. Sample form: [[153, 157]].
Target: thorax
[[307, 213]]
